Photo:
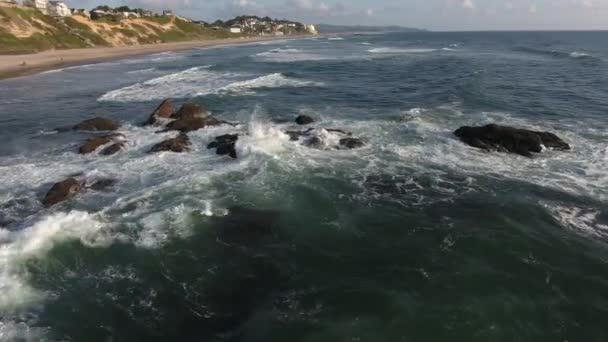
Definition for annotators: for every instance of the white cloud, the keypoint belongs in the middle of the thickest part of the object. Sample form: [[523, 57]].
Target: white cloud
[[533, 9], [468, 4], [369, 12]]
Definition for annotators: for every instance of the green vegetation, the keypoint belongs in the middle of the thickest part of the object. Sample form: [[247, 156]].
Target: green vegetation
[[47, 32]]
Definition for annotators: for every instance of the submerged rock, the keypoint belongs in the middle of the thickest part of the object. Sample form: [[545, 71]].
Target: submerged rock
[[164, 111], [246, 225], [193, 124], [62, 191], [296, 135], [304, 120], [103, 184], [188, 111], [93, 143], [179, 144], [225, 145], [508, 139], [351, 143], [97, 124]]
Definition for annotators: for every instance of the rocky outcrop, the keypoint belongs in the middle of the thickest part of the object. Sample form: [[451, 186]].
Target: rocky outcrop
[[62, 191], [296, 135], [351, 143], [508, 139], [93, 143], [112, 149], [164, 111], [193, 124], [97, 124], [189, 111], [304, 120], [225, 145], [179, 144], [313, 137]]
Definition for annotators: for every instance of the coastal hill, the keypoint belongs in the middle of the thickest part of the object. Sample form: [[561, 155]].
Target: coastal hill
[[327, 28], [28, 30]]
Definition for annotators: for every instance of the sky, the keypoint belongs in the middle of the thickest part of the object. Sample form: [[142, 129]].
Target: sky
[[437, 15]]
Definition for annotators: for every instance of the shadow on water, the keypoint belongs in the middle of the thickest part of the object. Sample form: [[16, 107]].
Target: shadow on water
[[199, 289]]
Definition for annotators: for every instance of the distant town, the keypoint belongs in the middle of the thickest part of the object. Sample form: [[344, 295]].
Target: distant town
[[250, 25]]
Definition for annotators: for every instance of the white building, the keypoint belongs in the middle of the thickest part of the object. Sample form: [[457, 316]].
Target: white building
[[59, 9], [310, 28], [41, 5], [235, 29]]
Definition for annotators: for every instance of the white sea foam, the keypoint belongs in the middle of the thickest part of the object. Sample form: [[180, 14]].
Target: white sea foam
[[276, 80], [581, 220], [578, 54], [142, 71], [20, 331], [335, 38], [187, 83], [387, 50], [579, 172], [288, 55], [35, 242]]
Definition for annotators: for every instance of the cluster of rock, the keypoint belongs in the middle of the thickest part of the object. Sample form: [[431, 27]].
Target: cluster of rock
[[311, 137], [191, 117]]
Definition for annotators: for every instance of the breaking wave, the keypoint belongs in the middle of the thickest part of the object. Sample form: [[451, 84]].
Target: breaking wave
[[198, 82], [288, 55], [184, 84], [276, 80], [399, 51]]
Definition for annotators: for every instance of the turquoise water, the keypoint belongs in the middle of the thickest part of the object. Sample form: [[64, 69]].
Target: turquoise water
[[414, 237]]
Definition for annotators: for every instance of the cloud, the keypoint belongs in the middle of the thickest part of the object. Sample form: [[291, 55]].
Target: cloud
[[468, 4]]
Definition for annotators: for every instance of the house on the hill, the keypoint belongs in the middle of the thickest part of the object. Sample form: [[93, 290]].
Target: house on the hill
[[81, 11], [58, 9], [41, 5], [235, 29], [168, 13]]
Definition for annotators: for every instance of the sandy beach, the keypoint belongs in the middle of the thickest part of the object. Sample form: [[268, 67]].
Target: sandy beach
[[20, 65]]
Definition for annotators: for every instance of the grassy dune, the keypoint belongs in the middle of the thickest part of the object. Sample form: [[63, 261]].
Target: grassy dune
[[24, 30]]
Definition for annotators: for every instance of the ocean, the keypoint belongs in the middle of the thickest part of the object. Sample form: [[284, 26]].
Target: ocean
[[413, 237]]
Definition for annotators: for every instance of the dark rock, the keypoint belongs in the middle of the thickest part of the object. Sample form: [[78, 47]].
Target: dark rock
[[246, 226], [62, 191], [189, 111], [193, 124], [313, 142], [225, 145], [508, 139], [351, 143], [103, 184], [112, 149], [178, 144], [335, 130], [304, 120], [164, 111], [296, 135], [97, 124], [94, 143]]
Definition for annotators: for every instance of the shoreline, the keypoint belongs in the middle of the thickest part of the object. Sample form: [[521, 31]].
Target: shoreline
[[11, 66]]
